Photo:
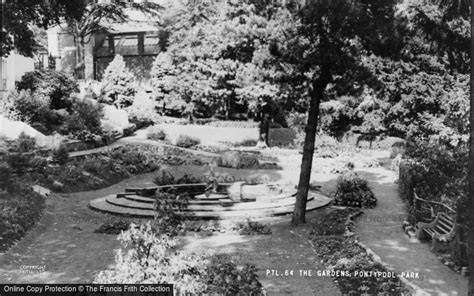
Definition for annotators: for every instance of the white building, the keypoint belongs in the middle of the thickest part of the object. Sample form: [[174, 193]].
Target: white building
[[12, 69]]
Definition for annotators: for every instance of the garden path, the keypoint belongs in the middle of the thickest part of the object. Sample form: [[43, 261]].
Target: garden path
[[380, 229], [286, 249]]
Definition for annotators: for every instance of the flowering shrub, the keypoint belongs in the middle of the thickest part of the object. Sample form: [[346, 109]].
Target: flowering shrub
[[33, 108], [354, 191], [54, 85], [148, 258]]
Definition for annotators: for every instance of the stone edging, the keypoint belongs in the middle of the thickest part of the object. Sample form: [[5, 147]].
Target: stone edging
[[416, 289]]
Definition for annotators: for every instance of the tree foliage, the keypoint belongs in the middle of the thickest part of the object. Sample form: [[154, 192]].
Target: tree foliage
[[216, 60], [324, 51]]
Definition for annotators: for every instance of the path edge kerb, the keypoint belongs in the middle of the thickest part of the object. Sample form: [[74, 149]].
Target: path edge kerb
[[416, 289]]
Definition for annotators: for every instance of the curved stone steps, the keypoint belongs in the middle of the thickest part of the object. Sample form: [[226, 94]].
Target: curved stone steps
[[150, 200], [194, 205], [317, 201], [230, 206]]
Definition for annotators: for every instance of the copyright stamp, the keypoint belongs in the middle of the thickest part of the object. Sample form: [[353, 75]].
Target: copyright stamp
[[31, 269]]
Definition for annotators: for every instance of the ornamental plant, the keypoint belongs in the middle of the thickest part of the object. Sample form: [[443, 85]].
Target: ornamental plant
[[150, 258], [118, 85], [354, 191]]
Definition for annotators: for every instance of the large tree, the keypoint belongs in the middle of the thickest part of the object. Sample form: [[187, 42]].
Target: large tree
[[216, 59], [330, 38], [19, 18]]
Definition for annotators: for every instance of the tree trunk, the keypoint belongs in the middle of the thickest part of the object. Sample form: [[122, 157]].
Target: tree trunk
[[79, 67], [470, 206], [317, 92]]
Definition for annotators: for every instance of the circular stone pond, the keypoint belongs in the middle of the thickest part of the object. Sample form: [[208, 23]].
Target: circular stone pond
[[229, 201]]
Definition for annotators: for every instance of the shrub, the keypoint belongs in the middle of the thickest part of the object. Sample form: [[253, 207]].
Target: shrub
[[353, 191], [168, 207], [148, 257], [231, 124], [38, 164], [19, 162], [52, 84], [187, 141], [238, 160], [156, 134], [8, 108], [143, 111], [223, 277], [439, 170], [118, 84], [24, 143], [163, 177], [152, 258], [253, 228], [61, 155], [35, 109], [84, 122]]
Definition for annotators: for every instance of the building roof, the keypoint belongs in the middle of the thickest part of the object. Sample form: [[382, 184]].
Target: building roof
[[138, 22]]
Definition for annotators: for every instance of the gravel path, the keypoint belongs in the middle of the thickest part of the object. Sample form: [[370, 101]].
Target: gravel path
[[381, 230]]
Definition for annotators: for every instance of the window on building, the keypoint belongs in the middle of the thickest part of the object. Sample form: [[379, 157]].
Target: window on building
[[126, 45], [151, 44]]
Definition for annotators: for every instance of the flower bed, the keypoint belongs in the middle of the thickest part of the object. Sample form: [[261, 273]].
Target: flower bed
[[103, 169]]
